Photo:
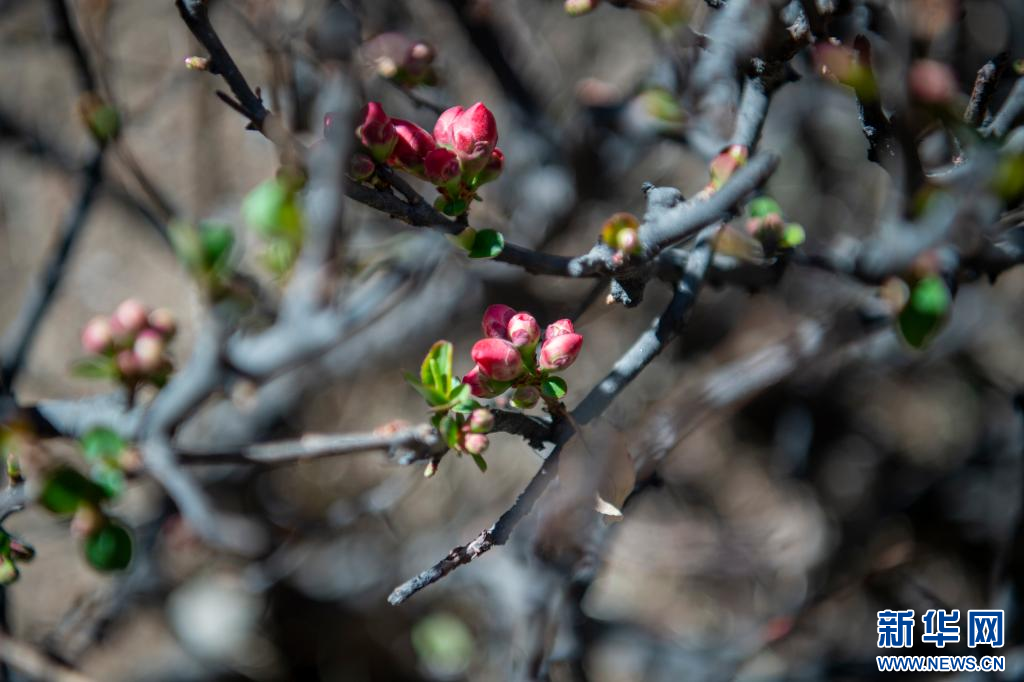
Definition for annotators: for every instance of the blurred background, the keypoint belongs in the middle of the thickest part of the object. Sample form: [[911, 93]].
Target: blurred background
[[813, 469]]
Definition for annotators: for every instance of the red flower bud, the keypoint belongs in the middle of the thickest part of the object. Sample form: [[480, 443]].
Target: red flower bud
[[148, 350], [558, 353], [162, 320], [559, 327], [129, 317], [479, 385], [412, 145], [481, 420], [498, 359], [475, 443], [361, 166], [523, 330], [377, 132], [493, 168], [97, 336], [442, 129], [471, 133], [441, 166], [525, 397], [496, 319]]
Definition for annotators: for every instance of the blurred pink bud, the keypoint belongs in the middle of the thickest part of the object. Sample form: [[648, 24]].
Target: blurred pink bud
[[361, 166], [97, 336], [479, 385], [376, 132], [475, 443], [481, 420], [442, 129], [525, 397], [163, 322], [130, 316], [412, 146], [86, 521], [559, 327], [422, 52], [726, 163], [523, 330], [148, 350], [471, 133], [493, 168], [931, 82], [496, 319], [497, 359], [331, 123], [127, 364], [560, 352], [575, 8], [441, 166]]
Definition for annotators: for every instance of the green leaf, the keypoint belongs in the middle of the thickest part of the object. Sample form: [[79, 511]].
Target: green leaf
[[764, 206], [436, 370], [553, 387], [102, 443], [279, 256], [66, 489], [271, 210], [110, 478], [488, 244], [459, 395], [925, 313], [481, 463], [449, 430], [105, 122], [8, 571], [444, 645], [463, 240], [97, 367], [793, 235], [216, 241], [110, 548], [433, 398]]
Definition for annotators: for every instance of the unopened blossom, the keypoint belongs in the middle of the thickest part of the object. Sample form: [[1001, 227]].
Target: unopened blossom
[[558, 353], [498, 359]]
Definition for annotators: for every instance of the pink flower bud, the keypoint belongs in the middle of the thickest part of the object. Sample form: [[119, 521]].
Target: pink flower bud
[[97, 336], [442, 129], [162, 321], [474, 136], [523, 330], [558, 353], [377, 132], [127, 364], [497, 359], [475, 443], [130, 316], [525, 397], [496, 319], [422, 52], [931, 82], [481, 420], [412, 146], [361, 166], [87, 520], [493, 168], [559, 327], [441, 166], [479, 385], [148, 350], [726, 163]]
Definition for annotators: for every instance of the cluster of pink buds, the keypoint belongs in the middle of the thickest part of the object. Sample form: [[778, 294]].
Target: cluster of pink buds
[[513, 356], [459, 157], [130, 345], [398, 58]]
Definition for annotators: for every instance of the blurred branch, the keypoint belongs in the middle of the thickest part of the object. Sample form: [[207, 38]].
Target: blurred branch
[[1009, 113], [984, 86], [421, 438], [34, 663], [23, 329]]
